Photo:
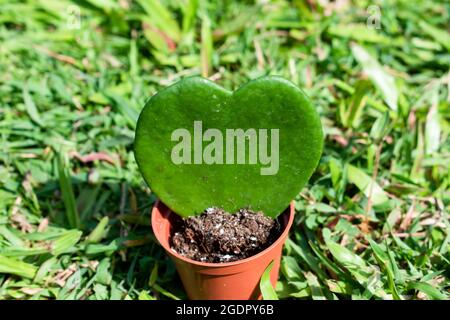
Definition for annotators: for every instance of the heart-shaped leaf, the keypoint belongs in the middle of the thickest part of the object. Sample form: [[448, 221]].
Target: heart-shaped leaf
[[198, 145]]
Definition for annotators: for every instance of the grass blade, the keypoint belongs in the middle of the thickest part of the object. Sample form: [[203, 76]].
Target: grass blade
[[206, 47], [31, 107], [385, 263], [305, 254], [365, 184], [97, 234], [17, 267], [68, 196], [350, 261], [382, 80], [429, 290], [432, 126], [162, 18], [65, 242], [267, 291], [439, 35], [314, 287]]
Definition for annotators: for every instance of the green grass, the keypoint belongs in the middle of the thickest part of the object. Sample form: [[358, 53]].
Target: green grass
[[74, 210]]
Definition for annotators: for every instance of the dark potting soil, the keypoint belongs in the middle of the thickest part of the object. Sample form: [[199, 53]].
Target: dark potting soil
[[218, 236]]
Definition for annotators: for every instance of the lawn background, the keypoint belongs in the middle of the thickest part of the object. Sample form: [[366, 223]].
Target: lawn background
[[74, 210]]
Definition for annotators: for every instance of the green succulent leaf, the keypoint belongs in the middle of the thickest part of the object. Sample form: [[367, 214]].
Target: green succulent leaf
[[189, 158]]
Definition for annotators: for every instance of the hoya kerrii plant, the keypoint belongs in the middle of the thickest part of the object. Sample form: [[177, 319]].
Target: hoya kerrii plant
[[199, 145], [229, 163]]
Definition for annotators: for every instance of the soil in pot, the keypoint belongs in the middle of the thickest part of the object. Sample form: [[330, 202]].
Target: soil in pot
[[218, 236]]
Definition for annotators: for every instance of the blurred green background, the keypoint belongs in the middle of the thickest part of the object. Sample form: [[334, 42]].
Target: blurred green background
[[74, 75]]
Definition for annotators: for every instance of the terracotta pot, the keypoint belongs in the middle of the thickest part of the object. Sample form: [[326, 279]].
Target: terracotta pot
[[237, 280]]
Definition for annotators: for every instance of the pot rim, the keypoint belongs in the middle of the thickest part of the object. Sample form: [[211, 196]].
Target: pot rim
[[175, 254]]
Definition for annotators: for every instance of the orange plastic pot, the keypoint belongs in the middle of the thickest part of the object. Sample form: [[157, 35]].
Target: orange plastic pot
[[237, 280]]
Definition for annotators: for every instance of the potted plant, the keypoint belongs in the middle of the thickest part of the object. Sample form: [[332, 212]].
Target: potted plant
[[200, 147]]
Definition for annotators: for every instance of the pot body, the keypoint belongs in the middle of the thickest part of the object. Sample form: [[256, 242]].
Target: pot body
[[237, 280]]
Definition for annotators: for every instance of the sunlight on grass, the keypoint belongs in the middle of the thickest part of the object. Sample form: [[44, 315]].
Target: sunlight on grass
[[74, 211]]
